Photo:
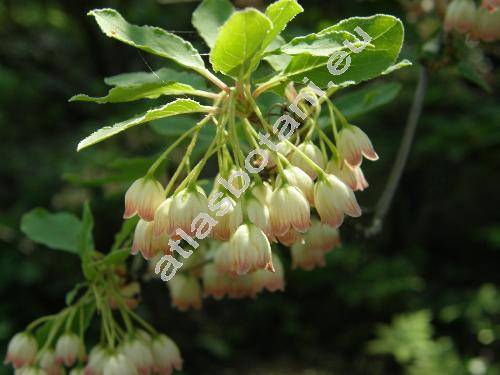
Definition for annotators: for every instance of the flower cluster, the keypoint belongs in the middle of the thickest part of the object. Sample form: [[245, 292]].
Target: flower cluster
[[482, 23], [302, 188]]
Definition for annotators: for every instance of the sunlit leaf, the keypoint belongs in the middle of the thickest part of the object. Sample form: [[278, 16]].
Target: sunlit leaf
[[280, 13], [209, 16]]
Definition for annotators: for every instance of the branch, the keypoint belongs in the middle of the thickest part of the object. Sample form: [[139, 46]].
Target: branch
[[387, 196]]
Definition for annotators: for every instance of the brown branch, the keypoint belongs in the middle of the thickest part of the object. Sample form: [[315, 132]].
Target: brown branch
[[387, 196]]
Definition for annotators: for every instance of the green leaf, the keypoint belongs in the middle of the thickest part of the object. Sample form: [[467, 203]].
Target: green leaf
[[176, 107], [400, 65], [280, 13], [386, 34], [318, 44], [278, 61], [115, 257], [367, 99], [160, 75], [239, 43], [147, 38], [209, 16], [58, 231], [131, 93]]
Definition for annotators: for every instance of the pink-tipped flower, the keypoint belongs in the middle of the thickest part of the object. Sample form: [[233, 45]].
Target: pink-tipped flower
[[353, 177], [290, 237], [185, 292], [139, 353], [68, 349], [166, 355], [118, 364], [289, 209], [162, 217], [353, 144], [215, 283], [283, 148], [300, 179], [241, 286], [263, 192], [143, 198], [334, 199], [21, 350], [460, 15], [97, 359], [146, 243], [271, 281], [312, 152], [186, 205], [248, 250], [322, 237], [306, 258], [487, 25], [228, 223], [48, 363]]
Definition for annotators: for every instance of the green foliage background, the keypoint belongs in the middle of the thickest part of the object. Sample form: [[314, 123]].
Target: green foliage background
[[421, 298]]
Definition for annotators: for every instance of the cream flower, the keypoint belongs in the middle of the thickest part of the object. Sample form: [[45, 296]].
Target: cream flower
[[143, 197]]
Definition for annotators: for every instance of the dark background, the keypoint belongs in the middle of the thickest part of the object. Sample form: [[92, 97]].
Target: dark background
[[431, 275]]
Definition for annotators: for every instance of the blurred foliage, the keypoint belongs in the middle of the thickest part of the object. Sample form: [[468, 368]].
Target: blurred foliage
[[431, 277]]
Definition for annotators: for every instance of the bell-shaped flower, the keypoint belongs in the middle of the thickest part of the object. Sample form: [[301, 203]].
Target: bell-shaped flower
[[353, 144], [139, 353], [185, 292], [143, 198], [118, 364], [21, 350], [295, 176], [312, 152], [289, 209], [460, 15], [68, 348], [333, 199], [166, 355], [352, 176]]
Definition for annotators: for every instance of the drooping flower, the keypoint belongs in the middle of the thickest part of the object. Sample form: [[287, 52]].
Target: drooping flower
[[129, 293], [241, 286], [118, 364], [460, 15], [271, 281], [166, 355], [263, 192], [143, 197], [306, 258], [248, 250], [295, 176], [259, 215], [185, 292], [21, 350], [490, 5], [353, 144], [322, 236], [228, 223], [289, 209], [146, 243], [352, 176], [215, 283], [185, 206], [139, 353], [312, 152], [283, 148], [48, 362], [68, 348], [290, 237], [334, 199], [97, 359]]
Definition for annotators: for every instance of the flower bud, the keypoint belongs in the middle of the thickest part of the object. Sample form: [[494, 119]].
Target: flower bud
[[68, 348], [130, 294], [139, 353], [289, 209], [353, 144], [352, 177], [263, 192], [97, 359], [460, 15], [300, 179], [166, 355], [143, 197], [48, 363], [185, 292], [334, 199], [312, 152], [271, 281], [118, 364], [185, 206], [249, 249], [21, 350]]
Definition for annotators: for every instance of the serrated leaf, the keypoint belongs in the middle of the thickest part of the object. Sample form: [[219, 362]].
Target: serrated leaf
[[239, 43], [280, 13], [318, 44], [58, 231], [176, 107], [160, 75], [209, 16], [386, 34], [278, 61], [367, 99], [400, 65], [143, 91], [147, 38]]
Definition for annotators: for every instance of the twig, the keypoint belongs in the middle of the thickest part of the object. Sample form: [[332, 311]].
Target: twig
[[387, 196]]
